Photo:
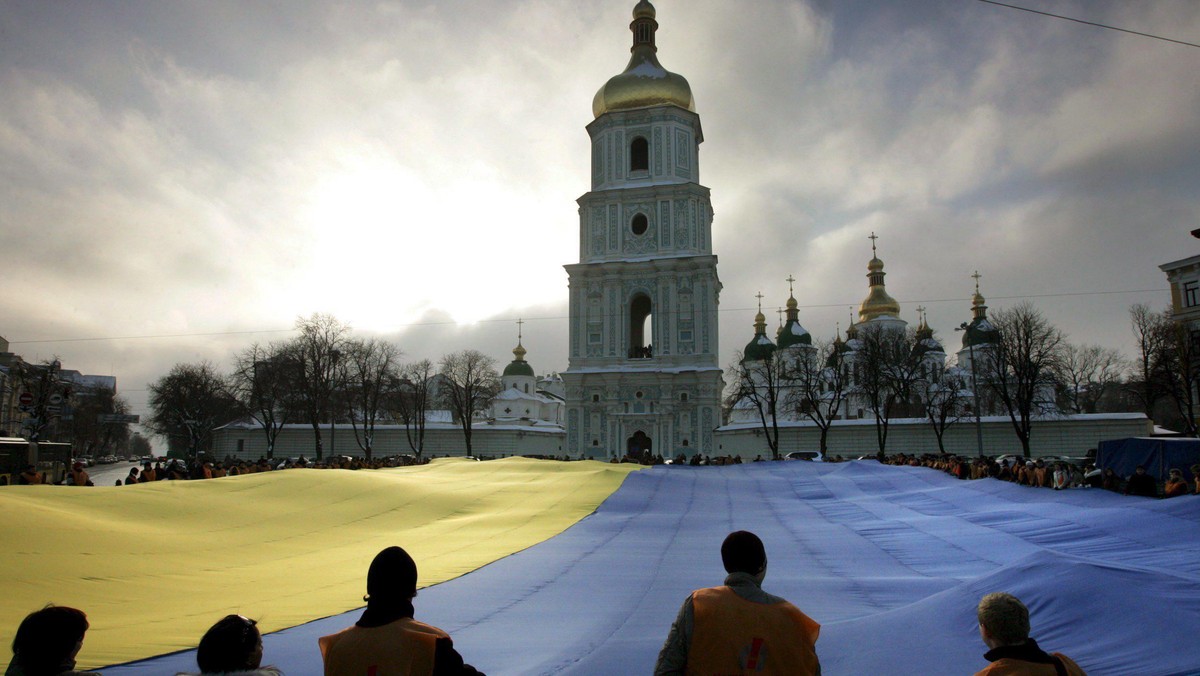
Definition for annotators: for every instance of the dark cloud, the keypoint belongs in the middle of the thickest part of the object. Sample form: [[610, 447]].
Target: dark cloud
[[411, 167]]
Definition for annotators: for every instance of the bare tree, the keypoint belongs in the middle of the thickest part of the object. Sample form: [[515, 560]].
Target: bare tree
[[886, 371], [369, 370], [139, 446], [1086, 372], [91, 434], [759, 382], [1144, 384], [817, 385], [470, 383], [1165, 370], [944, 401], [1178, 373], [188, 403], [46, 392], [315, 355], [411, 400], [1022, 367], [264, 381]]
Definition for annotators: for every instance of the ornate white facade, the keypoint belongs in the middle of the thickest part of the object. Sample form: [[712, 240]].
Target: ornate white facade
[[643, 357]]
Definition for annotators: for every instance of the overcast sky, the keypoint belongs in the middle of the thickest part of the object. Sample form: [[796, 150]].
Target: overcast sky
[[181, 179]]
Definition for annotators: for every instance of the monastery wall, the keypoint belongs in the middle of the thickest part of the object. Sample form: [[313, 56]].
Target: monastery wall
[[1069, 435]]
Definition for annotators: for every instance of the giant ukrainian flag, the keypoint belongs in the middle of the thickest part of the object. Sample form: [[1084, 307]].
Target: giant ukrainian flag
[[155, 565]]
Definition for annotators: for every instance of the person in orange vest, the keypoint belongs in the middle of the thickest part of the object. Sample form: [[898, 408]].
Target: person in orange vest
[[1004, 627], [79, 476], [738, 628], [31, 477], [386, 639], [1175, 484], [148, 474]]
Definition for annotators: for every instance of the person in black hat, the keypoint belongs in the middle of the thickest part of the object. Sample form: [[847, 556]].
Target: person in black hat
[[386, 639]]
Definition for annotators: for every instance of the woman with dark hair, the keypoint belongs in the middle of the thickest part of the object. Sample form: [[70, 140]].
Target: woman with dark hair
[[47, 642], [386, 639], [232, 646]]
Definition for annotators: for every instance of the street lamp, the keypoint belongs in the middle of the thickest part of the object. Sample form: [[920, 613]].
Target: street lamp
[[974, 386]]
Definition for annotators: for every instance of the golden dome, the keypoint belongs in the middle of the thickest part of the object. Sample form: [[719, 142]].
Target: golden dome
[[643, 10], [644, 82], [519, 352], [878, 303]]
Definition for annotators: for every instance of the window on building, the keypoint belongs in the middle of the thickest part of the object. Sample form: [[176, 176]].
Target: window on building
[[639, 225], [1191, 293], [639, 155], [683, 396], [595, 442], [595, 399]]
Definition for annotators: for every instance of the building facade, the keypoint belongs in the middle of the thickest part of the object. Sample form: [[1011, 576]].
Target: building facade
[[643, 371]]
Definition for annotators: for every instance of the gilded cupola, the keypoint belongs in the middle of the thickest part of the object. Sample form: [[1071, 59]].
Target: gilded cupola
[[644, 82], [877, 303]]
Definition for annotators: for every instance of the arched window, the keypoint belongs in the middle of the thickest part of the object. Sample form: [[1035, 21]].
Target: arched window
[[639, 155], [639, 224], [641, 328]]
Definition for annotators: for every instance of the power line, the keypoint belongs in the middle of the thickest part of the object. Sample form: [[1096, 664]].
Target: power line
[[1091, 23], [448, 322]]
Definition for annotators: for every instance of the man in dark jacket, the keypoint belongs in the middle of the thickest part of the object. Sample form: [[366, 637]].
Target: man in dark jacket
[[1141, 483]]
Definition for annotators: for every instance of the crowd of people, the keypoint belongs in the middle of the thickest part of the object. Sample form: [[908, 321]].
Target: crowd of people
[[174, 469], [1055, 474], [734, 628]]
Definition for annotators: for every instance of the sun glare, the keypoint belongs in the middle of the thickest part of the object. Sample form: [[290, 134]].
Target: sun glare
[[389, 245]]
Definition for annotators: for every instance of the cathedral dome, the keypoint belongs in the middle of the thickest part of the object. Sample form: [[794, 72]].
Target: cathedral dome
[[644, 82], [760, 347], [792, 333], [980, 331], [518, 366], [877, 303]]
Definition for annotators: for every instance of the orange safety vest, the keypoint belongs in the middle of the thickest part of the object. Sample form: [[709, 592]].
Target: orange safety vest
[[33, 478], [401, 648], [80, 477], [736, 636], [1012, 667]]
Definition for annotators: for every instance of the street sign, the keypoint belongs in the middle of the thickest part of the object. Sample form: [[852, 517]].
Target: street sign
[[56, 399], [118, 418], [26, 398]]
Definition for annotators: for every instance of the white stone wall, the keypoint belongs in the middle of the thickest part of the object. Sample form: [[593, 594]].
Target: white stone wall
[[440, 440], [1065, 435]]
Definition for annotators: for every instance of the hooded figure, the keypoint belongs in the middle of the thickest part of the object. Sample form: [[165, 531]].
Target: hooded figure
[[386, 639]]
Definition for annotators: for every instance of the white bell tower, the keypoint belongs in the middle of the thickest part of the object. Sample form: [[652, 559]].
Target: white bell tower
[[644, 372]]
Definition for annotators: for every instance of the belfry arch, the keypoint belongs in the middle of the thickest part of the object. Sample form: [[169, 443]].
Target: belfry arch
[[641, 326]]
